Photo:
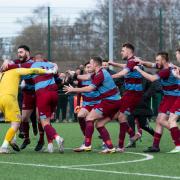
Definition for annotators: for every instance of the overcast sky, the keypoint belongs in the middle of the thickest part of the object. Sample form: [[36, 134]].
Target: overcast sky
[[59, 3], [11, 10]]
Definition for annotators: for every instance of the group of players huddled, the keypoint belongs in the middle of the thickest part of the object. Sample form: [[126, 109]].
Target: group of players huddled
[[101, 103]]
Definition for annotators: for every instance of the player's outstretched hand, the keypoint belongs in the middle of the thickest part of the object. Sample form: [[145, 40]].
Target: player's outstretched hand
[[52, 70], [5, 64], [137, 59], [136, 67], [68, 89], [55, 65], [110, 62]]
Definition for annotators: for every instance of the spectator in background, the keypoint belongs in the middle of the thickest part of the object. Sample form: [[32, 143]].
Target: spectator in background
[[70, 80], [81, 67], [178, 55], [62, 101]]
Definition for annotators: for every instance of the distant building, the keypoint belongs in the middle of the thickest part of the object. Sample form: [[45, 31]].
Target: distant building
[[6, 47]]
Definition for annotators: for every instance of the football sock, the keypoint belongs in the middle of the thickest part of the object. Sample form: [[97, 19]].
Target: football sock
[[157, 138], [105, 136], [122, 134], [89, 132], [50, 132], [175, 135], [138, 127], [25, 126], [82, 123], [130, 131], [9, 136], [41, 132]]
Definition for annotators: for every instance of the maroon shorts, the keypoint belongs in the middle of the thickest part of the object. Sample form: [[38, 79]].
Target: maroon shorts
[[46, 103], [129, 101], [166, 104], [29, 100], [108, 108], [176, 107]]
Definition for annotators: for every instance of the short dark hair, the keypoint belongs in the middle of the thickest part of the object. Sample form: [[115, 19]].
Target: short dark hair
[[178, 49], [105, 60], [26, 48], [129, 46], [86, 63], [164, 55], [98, 60]]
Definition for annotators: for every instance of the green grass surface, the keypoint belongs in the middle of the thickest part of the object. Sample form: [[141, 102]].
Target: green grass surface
[[28, 164]]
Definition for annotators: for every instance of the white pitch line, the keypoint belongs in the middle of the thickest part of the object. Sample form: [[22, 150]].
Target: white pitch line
[[147, 157], [91, 170], [33, 165], [125, 173]]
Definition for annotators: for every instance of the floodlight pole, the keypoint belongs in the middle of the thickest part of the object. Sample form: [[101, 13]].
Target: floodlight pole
[[49, 35], [111, 30], [160, 30]]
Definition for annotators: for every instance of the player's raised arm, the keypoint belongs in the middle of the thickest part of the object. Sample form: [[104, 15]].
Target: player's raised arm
[[120, 74], [24, 71], [116, 64], [83, 77], [145, 63], [71, 89], [7, 65], [146, 75]]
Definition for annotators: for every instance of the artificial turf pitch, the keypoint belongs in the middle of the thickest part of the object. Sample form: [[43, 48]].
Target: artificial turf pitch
[[30, 165]]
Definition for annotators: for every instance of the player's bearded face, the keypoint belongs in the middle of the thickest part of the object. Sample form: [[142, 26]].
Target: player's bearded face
[[23, 57], [22, 54], [159, 62]]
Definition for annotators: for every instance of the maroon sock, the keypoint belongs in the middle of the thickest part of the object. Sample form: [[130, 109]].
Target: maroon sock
[[41, 132], [157, 138], [105, 136], [89, 132], [138, 126], [50, 132], [82, 123], [21, 128], [175, 135], [34, 125], [123, 129], [130, 132], [25, 126]]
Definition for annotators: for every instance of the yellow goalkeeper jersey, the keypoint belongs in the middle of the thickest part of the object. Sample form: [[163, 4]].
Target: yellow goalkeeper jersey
[[9, 80]]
